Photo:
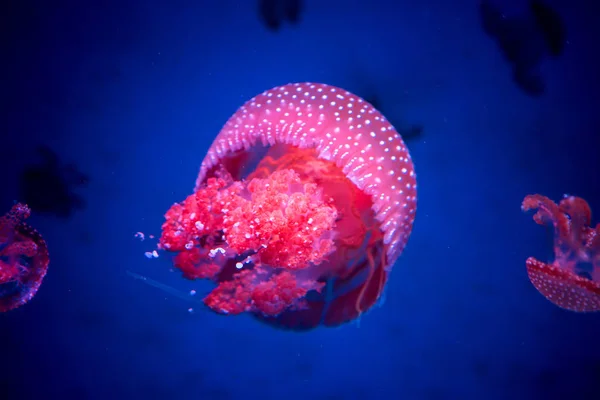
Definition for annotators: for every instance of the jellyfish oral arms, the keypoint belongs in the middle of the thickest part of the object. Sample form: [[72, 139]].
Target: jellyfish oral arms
[[23, 259], [572, 280], [302, 205]]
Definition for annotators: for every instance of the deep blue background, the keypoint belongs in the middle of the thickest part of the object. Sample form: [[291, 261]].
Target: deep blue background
[[133, 92]]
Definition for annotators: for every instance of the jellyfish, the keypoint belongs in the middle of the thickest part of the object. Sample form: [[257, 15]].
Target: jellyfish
[[572, 280], [23, 259], [302, 206]]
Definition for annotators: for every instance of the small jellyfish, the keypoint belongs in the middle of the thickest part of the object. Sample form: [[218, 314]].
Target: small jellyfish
[[23, 259], [572, 280]]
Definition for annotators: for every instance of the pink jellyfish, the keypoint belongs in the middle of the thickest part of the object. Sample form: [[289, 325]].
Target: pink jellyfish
[[303, 204]]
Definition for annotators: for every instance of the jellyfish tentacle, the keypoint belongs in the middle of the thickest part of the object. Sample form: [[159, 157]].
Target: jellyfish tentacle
[[165, 288]]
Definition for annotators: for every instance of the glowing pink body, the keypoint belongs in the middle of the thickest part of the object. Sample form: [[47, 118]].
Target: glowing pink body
[[303, 203]]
